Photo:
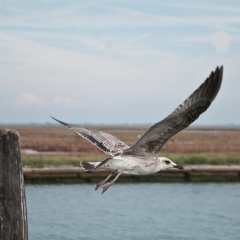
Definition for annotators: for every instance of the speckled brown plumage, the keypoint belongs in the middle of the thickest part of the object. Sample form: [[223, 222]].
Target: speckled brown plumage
[[104, 141]]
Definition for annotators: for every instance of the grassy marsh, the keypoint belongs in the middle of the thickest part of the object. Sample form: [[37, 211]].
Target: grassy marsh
[[204, 145]]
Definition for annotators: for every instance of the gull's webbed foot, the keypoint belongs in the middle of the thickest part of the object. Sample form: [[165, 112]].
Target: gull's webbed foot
[[103, 182], [106, 186], [100, 184]]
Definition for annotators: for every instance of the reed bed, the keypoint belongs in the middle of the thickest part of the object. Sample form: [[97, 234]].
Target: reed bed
[[195, 145]]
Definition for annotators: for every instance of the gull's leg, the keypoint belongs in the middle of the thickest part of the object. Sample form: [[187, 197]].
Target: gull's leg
[[103, 182], [107, 185]]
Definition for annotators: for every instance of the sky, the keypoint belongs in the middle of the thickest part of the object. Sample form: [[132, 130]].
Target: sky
[[116, 62]]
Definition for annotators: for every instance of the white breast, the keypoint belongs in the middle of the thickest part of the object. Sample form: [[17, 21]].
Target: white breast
[[132, 165]]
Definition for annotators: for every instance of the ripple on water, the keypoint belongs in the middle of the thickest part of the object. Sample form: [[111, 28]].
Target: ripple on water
[[134, 211]]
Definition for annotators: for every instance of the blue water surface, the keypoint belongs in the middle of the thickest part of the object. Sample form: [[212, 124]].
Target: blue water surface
[[134, 211]]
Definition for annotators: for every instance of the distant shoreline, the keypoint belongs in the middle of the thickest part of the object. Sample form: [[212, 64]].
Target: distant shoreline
[[124, 125], [191, 173]]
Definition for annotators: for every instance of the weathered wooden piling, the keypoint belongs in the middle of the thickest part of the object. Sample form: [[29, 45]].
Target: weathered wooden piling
[[13, 212]]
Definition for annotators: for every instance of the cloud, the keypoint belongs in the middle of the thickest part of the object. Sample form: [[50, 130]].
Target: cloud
[[110, 104], [220, 41], [137, 18], [108, 59], [108, 16], [66, 102], [27, 99], [207, 7]]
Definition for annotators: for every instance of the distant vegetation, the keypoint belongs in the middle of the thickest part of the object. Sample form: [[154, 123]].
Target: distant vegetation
[[184, 159], [193, 146]]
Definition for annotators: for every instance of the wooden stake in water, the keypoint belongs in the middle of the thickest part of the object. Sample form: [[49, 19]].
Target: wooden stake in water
[[13, 212]]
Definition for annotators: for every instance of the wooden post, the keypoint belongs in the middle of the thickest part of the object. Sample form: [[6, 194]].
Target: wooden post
[[13, 212]]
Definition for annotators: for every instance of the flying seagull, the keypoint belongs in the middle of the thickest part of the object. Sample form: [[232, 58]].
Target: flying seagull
[[142, 158]]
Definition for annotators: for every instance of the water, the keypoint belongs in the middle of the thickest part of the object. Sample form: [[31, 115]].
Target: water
[[134, 211]]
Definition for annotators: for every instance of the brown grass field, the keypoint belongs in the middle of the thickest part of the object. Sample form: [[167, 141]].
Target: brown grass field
[[195, 145]]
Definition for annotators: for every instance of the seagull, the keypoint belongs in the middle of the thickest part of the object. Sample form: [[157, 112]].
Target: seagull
[[142, 158]]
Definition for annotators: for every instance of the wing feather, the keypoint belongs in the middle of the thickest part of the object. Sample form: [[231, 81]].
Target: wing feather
[[104, 141], [186, 113]]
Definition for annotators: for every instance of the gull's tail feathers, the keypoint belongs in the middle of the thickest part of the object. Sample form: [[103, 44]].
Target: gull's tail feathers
[[89, 166]]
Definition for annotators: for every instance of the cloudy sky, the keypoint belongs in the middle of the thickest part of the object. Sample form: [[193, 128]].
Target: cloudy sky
[[116, 62]]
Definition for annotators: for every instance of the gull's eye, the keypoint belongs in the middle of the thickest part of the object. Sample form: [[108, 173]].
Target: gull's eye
[[167, 161]]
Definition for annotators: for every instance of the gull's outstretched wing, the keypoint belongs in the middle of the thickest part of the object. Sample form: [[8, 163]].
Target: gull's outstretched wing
[[104, 141], [186, 113]]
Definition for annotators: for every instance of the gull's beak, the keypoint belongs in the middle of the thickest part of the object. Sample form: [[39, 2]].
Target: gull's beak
[[178, 166]]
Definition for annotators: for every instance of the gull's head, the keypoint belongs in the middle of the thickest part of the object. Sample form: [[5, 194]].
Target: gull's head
[[167, 163]]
